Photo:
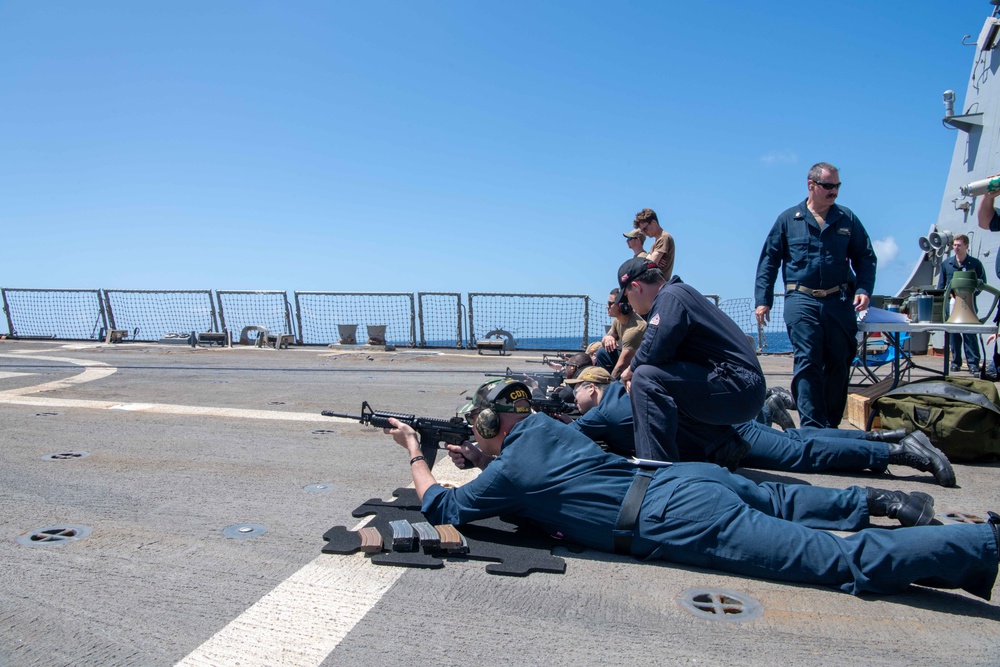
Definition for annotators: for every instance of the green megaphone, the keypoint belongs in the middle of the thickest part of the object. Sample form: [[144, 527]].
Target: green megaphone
[[965, 284]]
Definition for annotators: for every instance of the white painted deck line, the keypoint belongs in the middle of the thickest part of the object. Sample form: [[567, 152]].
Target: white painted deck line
[[303, 619]]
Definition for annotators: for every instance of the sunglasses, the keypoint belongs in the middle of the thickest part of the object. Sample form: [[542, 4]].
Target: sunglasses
[[470, 417], [828, 186], [610, 303]]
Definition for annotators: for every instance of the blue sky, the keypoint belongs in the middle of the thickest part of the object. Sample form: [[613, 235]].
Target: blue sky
[[458, 146]]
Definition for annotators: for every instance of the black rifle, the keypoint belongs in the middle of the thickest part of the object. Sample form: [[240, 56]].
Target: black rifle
[[554, 406], [558, 360], [545, 381], [432, 432]]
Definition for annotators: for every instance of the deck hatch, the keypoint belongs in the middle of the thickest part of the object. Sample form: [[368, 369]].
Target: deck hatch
[[65, 456], [720, 604], [54, 535]]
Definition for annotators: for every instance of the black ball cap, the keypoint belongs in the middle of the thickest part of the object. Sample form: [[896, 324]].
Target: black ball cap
[[628, 272]]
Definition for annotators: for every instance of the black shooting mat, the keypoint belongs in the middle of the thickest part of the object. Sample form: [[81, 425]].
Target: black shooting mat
[[516, 550]]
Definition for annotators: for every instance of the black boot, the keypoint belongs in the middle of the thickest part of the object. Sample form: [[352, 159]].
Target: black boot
[[916, 451], [886, 436], [910, 509], [784, 396], [775, 409]]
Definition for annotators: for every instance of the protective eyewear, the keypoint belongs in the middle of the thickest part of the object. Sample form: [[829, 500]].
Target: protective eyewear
[[470, 416], [828, 186]]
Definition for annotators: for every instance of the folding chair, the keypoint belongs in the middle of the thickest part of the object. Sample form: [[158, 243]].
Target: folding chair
[[895, 354]]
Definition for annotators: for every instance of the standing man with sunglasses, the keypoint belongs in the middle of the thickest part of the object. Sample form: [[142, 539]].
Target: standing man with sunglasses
[[828, 270], [662, 252], [635, 240]]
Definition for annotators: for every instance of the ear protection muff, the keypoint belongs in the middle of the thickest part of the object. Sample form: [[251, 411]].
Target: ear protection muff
[[625, 307], [488, 423], [488, 419]]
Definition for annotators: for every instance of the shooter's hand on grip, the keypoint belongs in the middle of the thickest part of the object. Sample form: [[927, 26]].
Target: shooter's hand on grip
[[467, 455]]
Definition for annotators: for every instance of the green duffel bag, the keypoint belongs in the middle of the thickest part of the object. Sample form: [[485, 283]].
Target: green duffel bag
[[961, 416]]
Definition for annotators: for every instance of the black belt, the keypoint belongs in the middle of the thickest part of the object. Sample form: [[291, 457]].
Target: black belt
[[629, 513], [817, 293]]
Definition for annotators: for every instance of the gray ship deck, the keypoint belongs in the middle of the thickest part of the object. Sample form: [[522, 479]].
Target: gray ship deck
[[183, 443]]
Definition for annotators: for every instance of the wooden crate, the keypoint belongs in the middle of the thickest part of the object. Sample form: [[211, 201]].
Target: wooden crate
[[859, 403]]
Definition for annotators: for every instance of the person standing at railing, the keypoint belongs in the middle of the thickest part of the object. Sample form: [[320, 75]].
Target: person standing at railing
[[828, 268]]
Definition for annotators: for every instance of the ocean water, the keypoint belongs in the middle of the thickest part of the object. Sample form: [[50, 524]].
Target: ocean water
[[774, 342]]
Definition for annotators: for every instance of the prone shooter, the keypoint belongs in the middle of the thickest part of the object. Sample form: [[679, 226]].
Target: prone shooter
[[433, 432]]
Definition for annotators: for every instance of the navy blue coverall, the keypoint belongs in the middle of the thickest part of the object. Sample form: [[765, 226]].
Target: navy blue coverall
[[957, 341], [811, 449], [794, 450], [823, 330], [694, 376], [702, 515]]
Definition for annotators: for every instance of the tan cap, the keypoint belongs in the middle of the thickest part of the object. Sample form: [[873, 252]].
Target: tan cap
[[594, 374], [635, 233], [593, 347]]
